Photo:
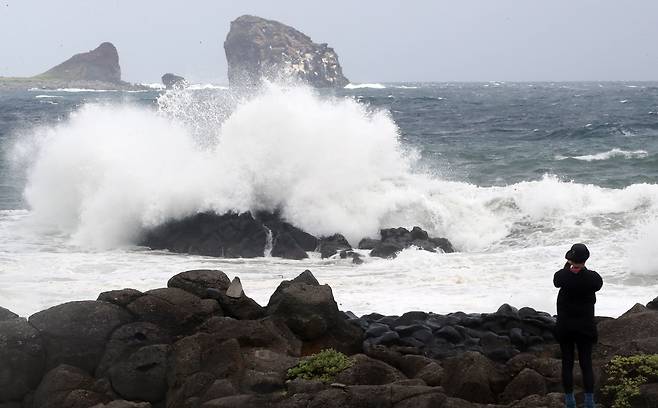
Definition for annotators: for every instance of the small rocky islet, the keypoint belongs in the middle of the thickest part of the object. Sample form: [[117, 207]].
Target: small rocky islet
[[202, 342]]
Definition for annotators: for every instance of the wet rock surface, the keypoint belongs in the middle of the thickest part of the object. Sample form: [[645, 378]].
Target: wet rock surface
[[188, 346]]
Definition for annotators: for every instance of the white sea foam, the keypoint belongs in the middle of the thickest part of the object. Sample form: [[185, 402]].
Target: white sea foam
[[154, 85], [331, 165], [610, 154], [48, 96], [72, 90], [197, 87], [361, 86]]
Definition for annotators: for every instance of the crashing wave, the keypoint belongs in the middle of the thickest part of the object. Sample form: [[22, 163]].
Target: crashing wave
[[610, 154]]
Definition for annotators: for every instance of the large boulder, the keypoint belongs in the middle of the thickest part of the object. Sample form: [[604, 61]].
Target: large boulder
[[66, 387], [129, 338], [197, 361], [198, 281], [173, 309], [22, 359], [266, 370], [141, 376], [120, 297], [270, 333], [632, 333], [230, 235], [311, 312], [75, 333], [368, 371], [100, 64], [258, 49], [394, 240], [527, 382], [470, 376]]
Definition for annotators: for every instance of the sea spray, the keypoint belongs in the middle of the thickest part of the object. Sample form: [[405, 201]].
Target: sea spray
[[327, 164]]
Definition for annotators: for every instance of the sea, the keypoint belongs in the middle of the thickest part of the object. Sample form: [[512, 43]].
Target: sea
[[511, 173]]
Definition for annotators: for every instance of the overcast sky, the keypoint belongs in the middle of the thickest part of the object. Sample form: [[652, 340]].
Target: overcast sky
[[376, 41]]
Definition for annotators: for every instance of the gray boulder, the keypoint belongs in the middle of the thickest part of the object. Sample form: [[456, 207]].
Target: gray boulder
[[199, 281], [75, 333], [311, 312], [368, 371], [141, 376], [22, 359]]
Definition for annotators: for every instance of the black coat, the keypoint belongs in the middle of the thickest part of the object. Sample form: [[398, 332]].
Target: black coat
[[575, 304]]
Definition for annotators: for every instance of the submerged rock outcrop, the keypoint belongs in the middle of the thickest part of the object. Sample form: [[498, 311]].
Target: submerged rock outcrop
[[202, 342], [99, 64], [244, 235], [258, 49], [171, 81]]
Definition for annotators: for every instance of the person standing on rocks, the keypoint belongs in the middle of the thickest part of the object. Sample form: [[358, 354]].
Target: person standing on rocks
[[576, 327]]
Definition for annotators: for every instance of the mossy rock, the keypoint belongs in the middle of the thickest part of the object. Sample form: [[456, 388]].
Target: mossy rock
[[323, 366]]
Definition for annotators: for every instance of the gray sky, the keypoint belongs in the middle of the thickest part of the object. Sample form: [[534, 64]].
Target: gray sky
[[376, 41]]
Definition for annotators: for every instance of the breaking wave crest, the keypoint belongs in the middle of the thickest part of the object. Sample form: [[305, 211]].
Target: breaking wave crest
[[328, 164], [610, 154]]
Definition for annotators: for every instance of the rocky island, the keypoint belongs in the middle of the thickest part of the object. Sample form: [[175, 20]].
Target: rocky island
[[258, 49], [95, 69], [202, 342]]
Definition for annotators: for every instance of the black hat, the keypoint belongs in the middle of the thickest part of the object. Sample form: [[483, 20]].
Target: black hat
[[577, 254]]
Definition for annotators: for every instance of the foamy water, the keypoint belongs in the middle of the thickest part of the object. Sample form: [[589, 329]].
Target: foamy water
[[96, 180]]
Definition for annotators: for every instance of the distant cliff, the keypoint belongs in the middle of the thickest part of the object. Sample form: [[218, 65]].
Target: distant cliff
[[101, 64], [258, 49], [95, 69]]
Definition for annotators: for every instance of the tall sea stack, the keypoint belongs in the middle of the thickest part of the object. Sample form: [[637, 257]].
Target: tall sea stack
[[100, 64], [258, 49]]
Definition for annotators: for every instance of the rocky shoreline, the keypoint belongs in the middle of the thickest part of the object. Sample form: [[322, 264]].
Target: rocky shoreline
[[201, 342]]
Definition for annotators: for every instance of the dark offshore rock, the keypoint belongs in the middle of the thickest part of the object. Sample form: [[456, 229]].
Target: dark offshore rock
[[285, 246], [199, 281], [22, 359], [258, 49], [394, 240], [229, 235], [174, 309], [100, 64], [275, 223], [75, 333], [311, 312], [172, 81], [328, 246]]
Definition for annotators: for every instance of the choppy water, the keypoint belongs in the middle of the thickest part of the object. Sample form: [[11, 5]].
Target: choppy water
[[511, 173]]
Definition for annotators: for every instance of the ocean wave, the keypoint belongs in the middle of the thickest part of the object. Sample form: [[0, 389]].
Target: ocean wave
[[48, 96], [284, 149], [72, 90], [610, 154], [361, 86], [198, 87], [154, 85]]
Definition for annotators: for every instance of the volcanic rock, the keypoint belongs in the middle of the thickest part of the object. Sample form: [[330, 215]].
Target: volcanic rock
[[100, 64], [75, 333], [230, 235], [311, 312], [328, 246], [394, 240], [172, 81], [6, 314], [258, 49], [141, 375], [199, 281], [22, 359]]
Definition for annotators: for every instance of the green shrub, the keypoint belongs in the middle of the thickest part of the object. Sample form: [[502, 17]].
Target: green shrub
[[322, 366], [627, 374]]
